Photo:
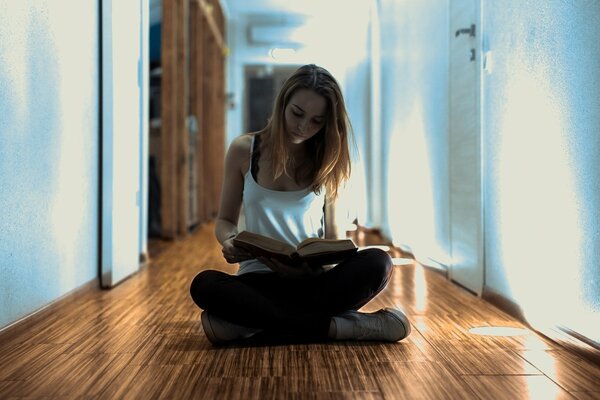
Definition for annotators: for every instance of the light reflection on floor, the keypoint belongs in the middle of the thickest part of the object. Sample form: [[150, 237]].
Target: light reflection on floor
[[402, 261], [499, 331]]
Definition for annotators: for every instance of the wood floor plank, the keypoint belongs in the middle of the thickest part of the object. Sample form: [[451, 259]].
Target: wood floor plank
[[122, 385], [143, 340], [420, 380], [28, 359], [8, 387], [567, 369], [516, 387], [72, 375], [472, 358], [586, 395]]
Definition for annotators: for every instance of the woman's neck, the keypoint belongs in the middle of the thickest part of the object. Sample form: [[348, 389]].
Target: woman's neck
[[296, 151]]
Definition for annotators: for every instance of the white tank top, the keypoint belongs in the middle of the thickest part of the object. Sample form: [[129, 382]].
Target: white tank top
[[289, 216]]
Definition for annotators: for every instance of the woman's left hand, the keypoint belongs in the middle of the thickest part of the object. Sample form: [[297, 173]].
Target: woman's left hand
[[300, 271]]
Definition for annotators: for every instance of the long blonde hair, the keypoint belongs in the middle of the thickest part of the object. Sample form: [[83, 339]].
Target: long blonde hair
[[330, 164]]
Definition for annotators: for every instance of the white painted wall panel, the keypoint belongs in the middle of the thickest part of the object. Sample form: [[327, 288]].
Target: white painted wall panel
[[414, 124], [48, 151], [542, 141]]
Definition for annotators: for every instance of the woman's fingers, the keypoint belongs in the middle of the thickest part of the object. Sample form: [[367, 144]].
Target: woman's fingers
[[234, 254], [235, 258]]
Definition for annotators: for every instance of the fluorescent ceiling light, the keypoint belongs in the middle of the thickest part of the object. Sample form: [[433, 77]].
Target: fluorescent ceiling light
[[282, 53]]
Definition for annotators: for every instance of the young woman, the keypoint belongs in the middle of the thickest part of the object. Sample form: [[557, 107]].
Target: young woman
[[281, 175]]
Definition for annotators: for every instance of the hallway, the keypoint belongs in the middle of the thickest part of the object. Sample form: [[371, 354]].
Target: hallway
[[143, 340]]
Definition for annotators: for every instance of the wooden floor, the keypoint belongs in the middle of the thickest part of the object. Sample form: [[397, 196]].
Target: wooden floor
[[142, 340]]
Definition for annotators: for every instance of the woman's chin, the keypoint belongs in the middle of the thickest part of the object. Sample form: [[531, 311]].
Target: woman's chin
[[295, 139]]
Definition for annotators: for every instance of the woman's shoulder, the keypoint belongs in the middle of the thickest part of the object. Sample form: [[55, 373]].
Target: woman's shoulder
[[240, 146], [239, 152]]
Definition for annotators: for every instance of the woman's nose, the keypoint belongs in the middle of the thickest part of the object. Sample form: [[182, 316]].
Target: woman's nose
[[302, 125]]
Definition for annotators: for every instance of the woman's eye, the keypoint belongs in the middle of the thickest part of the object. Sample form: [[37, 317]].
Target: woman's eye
[[296, 114]]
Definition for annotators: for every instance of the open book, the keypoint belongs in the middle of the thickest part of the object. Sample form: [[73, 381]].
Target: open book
[[313, 250]]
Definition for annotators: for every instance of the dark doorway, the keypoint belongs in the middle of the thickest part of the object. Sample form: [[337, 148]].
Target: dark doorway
[[263, 83]]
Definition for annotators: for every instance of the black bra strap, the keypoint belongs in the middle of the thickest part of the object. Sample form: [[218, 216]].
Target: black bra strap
[[255, 157]]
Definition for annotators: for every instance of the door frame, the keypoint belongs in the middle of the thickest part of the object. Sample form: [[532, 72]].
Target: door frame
[[469, 252], [119, 260]]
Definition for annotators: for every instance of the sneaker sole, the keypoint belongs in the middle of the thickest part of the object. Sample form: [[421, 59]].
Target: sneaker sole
[[400, 316], [208, 331]]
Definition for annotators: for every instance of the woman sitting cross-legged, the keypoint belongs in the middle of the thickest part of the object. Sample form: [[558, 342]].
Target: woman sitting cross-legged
[[281, 175]]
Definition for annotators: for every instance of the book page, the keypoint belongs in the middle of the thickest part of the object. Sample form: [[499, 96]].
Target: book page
[[315, 246], [253, 241]]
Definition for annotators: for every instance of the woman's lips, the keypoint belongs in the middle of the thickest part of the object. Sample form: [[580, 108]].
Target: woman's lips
[[298, 136]]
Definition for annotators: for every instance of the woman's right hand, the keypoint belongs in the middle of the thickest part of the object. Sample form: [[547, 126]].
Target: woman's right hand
[[233, 254]]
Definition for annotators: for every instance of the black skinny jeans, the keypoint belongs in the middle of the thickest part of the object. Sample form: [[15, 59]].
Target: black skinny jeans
[[293, 307]]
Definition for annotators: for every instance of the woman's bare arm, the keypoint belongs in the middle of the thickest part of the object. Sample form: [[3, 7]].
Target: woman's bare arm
[[236, 163]]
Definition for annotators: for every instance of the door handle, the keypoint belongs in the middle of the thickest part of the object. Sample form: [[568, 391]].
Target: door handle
[[470, 31]]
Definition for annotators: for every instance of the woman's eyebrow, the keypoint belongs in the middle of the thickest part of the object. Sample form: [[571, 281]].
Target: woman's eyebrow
[[300, 108]]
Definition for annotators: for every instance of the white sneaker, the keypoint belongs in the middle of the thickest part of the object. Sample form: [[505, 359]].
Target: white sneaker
[[220, 331], [387, 324]]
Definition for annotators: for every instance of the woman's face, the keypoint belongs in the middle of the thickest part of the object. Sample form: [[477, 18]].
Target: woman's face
[[305, 115]]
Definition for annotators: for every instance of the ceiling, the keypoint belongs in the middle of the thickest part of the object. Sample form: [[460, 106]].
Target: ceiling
[[235, 9], [306, 8], [287, 23], [278, 22]]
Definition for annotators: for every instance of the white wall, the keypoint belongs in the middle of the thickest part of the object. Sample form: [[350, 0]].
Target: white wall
[[542, 151], [48, 151], [413, 207]]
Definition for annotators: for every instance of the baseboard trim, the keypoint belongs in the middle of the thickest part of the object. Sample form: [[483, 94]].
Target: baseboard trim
[[25, 323], [565, 337], [503, 303], [583, 339], [428, 263], [401, 250], [144, 259]]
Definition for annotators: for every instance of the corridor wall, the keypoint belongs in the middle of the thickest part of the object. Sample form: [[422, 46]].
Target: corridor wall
[[48, 152], [414, 127], [542, 151]]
